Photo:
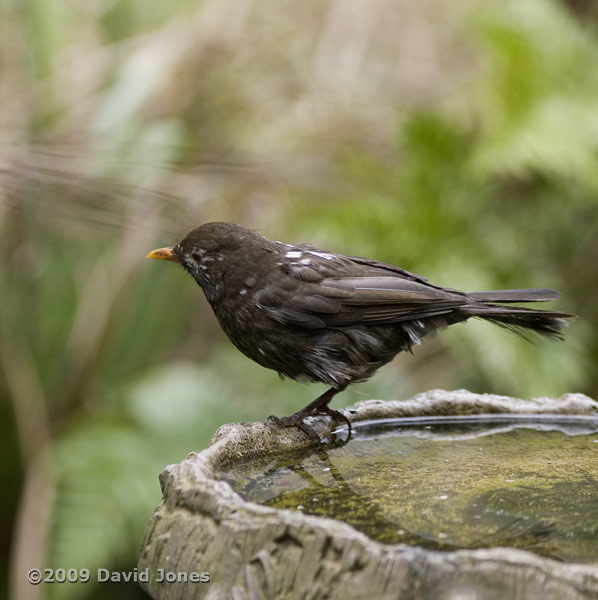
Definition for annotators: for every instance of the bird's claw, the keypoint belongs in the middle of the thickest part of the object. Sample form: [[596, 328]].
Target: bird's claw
[[339, 415], [298, 420]]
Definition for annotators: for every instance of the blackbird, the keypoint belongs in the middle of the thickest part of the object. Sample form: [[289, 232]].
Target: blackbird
[[314, 315]]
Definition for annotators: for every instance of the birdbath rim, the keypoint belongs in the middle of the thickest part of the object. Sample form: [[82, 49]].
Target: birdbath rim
[[241, 441]]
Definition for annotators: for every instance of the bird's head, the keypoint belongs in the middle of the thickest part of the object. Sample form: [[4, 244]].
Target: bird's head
[[205, 251]]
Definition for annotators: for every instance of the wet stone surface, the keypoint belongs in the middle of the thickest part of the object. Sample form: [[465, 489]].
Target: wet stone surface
[[448, 483]]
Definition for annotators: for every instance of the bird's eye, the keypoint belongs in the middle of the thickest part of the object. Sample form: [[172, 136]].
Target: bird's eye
[[196, 256]]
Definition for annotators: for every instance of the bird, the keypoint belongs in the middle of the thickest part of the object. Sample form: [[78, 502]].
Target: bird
[[314, 315]]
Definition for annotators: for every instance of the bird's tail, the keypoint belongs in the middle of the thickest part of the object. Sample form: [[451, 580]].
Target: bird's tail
[[548, 323]]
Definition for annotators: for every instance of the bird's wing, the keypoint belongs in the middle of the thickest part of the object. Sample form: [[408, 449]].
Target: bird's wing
[[320, 289], [372, 300], [380, 300]]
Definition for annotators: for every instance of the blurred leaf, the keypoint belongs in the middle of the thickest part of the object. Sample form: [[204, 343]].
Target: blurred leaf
[[540, 109]]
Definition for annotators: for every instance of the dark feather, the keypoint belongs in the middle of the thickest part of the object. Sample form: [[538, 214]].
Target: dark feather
[[526, 295]]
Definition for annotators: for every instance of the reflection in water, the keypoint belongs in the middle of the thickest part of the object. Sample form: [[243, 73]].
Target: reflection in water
[[450, 483]]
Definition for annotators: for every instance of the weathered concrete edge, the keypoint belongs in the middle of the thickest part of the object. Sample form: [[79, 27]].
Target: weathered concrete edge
[[244, 440], [190, 489]]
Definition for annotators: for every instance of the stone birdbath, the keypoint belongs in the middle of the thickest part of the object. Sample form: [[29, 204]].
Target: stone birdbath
[[448, 495]]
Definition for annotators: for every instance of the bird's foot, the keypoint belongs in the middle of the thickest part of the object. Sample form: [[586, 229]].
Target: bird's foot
[[295, 420], [298, 420]]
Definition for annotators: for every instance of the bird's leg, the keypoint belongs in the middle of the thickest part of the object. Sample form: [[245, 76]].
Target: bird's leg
[[318, 406]]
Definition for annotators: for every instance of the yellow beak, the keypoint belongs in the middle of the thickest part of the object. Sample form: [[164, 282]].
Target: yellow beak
[[163, 254]]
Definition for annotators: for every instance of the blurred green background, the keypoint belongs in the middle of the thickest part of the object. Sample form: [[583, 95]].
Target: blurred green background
[[458, 140]]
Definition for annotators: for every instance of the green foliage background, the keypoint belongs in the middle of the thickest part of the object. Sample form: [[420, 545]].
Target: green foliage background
[[458, 140]]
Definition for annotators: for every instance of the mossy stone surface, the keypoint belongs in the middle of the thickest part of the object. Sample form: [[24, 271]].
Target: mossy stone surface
[[520, 486]]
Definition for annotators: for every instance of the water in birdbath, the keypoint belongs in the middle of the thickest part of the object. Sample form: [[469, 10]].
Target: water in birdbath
[[448, 483]]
